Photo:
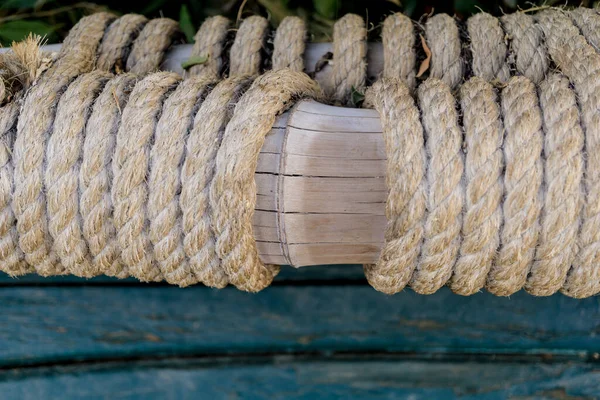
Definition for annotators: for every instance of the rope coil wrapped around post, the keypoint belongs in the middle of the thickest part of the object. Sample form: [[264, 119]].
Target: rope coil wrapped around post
[[492, 179]]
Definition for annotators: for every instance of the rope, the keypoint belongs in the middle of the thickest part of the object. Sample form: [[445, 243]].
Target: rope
[[210, 43], [153, 176], [349, 59], [399, 58], [151, 45], [444, 43], [117, 42]]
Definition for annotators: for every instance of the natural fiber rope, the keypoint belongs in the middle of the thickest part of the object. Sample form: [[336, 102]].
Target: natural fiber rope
[[588, 22], [150, 46], [523, 142], [196, 176], [526, 44], [210, 43], [95, 178], [156, 178], [444, 42], [399, 58], [483, 131], [245, 56], [130, 169], [117, 42], [35, 124], [441, 239], [581, 64], [233, 190], [488, 48], [406, 182], [61, 179], [349, 59], [289, 44], [164, 185]]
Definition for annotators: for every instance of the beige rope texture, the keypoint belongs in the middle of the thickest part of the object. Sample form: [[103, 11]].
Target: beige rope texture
[[210, 43], [153, 176]]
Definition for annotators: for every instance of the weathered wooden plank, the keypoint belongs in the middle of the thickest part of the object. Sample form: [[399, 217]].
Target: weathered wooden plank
[[307, 379], [287, 275], [44, 325]]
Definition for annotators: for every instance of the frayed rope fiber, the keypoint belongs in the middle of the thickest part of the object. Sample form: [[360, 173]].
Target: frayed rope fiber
[[493, 166]]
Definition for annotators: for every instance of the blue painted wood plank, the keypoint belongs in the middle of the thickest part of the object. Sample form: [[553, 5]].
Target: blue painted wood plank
[[85, 323], [324, 273], [289, 379]]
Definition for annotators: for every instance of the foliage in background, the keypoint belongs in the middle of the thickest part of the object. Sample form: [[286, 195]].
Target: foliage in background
[[53, 18]]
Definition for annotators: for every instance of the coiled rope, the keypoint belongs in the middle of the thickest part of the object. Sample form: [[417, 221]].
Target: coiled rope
[[493, 169]]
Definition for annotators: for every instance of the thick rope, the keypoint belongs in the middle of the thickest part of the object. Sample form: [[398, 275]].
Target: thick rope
[[95, 177], [406, 182], [33, 130], [61, 179], [233, 190], [444, 42], [588, 22], [210, 43], [150, 46], [441, 239], [581, 64], [11, 257], [289, 44], [196, 176], [245, 55], [563, 173], [488, 48], [399, 57], [130, 169], [164, 186], [523, 142], [155, 178], [349, 59], [117, 42], [482, 219], [527, 49]]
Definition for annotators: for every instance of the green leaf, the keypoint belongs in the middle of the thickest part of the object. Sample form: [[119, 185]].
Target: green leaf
[[185, 23], [357, 97], [326, 8], [190, 62], [18, 30]]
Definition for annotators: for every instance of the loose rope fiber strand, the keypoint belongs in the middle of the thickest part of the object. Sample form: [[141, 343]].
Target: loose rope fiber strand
[[492, 182]]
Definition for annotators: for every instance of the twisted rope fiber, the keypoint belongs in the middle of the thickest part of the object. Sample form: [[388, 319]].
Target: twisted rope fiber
[[444, 190], [581, 64], [233, 190], [488, 48], [444, 42], [349, 59], [95, 176], [117, 42], [61, 179], [150, 46], [399, 58], [210, 43], [156, 178], [35, 124]]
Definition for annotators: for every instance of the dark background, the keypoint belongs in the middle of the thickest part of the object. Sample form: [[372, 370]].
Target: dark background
[[53, 18]]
